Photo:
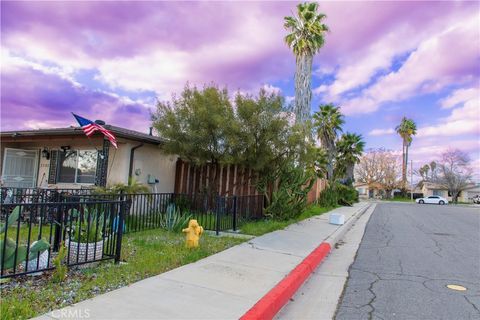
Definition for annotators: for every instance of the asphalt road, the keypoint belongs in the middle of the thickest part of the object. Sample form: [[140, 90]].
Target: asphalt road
[[408, 255]]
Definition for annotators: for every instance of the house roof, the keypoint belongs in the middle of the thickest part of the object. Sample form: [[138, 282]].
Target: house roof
[[431, 185], [117, 131]]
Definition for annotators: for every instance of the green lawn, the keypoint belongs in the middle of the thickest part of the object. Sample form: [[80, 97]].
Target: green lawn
[[146, 253], [258, 228]]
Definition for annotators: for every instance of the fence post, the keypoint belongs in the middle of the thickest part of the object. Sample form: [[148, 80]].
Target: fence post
[[121, 216], [57, 238], [234, 213], [217, 217]]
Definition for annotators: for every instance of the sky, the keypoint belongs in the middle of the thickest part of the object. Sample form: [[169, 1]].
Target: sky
[[114, 60]]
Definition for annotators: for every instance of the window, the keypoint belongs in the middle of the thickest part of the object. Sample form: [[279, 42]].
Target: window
[[433, 197], [437, 192], [77, 166]]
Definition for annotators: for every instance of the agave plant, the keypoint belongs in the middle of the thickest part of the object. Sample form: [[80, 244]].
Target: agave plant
[[173, 220], [8, 247]]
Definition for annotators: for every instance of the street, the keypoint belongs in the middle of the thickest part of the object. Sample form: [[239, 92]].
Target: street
[[407, 257]]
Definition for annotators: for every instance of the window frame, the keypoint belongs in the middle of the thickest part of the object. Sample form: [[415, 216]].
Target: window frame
[[77, 151]]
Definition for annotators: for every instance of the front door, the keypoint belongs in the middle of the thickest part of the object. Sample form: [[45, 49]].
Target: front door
[[20, 168]]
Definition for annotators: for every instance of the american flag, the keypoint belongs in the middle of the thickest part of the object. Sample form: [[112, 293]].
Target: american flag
[[89, 127]]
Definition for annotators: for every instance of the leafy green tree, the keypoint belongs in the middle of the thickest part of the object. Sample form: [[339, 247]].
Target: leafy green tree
[[261, 130], [406, 130], [306, 37], [197, 126], [349, 150], [328, 122]]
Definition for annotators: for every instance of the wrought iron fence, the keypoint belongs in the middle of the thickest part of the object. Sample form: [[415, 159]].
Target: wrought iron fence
[[216, 213], [147, 210], [33, 233]]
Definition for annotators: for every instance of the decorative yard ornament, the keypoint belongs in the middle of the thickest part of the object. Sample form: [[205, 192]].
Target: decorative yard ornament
[[193, 233]]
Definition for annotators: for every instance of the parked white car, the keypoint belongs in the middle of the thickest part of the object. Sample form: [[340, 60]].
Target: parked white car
[[476, 199], [432, 199]]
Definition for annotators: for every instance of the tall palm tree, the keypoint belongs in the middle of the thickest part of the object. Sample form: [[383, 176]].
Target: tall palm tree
[[306, 37], [406, 129], [328, 123], [349, 150]]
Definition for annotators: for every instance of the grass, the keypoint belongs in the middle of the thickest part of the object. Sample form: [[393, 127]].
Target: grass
[[146, 254], [258, 228]]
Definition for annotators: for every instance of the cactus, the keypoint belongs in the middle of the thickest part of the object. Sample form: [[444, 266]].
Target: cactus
[[7, 257]]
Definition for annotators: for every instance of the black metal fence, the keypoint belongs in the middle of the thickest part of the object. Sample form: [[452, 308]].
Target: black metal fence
[[33, 235], [216, 213], [90, 226], [147, 210]]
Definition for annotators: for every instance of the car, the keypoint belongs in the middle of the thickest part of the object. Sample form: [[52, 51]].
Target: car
[[476, 199], [432, 199]]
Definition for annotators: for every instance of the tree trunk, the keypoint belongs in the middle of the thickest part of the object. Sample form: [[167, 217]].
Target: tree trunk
[[404, 170], [349, 172], [406, 166], [330, 156], [303, 90]]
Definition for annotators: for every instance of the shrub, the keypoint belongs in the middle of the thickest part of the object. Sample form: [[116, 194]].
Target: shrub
[[346, 195], [328, 198], [338, 194], [60, 271], [290, 200]]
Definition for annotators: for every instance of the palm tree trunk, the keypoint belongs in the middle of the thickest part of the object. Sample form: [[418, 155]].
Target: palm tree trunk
[[406, 166], [349, 172], [404, 171], [303, 90]]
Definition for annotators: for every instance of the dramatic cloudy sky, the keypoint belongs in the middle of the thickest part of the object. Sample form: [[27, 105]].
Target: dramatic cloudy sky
[[113, 60]]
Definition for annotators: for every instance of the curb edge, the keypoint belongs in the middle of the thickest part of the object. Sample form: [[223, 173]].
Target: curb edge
[[274, 300]]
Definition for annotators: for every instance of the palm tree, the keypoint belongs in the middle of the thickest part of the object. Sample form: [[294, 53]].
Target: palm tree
[[406, 129], [328, 123], [306, 37], [349, 150]]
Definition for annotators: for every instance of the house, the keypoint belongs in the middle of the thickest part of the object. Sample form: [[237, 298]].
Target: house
[[67, 158], [369, 190], [432, 189]]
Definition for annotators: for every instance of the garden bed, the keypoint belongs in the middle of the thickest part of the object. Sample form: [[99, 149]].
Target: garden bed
[[145, 254]]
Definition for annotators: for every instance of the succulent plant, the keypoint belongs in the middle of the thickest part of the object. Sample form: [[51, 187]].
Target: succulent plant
[[8, 247], [89, 226], [173, 220]]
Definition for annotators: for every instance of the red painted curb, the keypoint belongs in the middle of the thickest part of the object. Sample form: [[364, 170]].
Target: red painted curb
[[269, 305]]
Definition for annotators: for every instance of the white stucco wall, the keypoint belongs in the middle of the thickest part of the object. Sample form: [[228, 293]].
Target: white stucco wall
[[151, 160]]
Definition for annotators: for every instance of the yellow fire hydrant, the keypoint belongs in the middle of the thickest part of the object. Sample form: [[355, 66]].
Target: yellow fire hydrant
[[193, 233]]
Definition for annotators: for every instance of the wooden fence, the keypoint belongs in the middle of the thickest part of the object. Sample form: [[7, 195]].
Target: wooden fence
[[232, 180]]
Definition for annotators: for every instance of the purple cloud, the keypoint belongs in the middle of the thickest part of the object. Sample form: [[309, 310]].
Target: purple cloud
[[34, 99]]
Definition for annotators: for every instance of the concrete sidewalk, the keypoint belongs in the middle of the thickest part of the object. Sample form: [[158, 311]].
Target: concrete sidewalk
[[222, 286]]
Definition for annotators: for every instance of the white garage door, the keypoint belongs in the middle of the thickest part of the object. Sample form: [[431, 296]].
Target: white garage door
[[20, 168]]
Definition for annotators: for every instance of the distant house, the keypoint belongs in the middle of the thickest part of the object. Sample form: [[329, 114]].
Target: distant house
[[432, 189], [67, 158], [369, 190]]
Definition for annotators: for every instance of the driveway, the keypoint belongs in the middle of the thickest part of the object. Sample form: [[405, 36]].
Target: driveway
[[408, 256]]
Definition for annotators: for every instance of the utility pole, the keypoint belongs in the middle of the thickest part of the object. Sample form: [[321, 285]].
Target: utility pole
[[411, 180]]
